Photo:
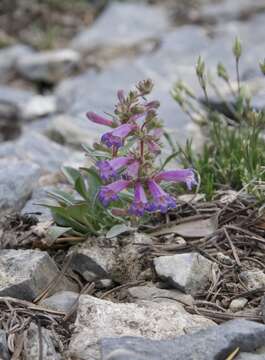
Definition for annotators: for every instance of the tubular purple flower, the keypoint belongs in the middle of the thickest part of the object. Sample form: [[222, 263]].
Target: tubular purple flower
[[116, 137], [139, 204], [108, 168], [95, 118], [179, 175], [109, 193], [132, 170], [162, 200]]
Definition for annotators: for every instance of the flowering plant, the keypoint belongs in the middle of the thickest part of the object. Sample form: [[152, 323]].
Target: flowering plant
[[133, 144], [125, 179]]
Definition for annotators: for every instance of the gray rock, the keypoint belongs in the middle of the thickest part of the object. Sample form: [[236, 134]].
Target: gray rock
[[175, 58], [17, 104], [253, 279], [32, 207], [228, 10], [86, 265], [214, 343], [8, 58], [131, 28], [74, 131], [4, 353], [48, 66], [24, 274], [38, 106], [32, 347], [238, 304], [189, 272], [17, 180], [99, 251], [61, 301], [152, 293], [99, 318], [36, 148]]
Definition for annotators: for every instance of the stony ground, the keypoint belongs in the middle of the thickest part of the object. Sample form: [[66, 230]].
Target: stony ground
[[108, 298]]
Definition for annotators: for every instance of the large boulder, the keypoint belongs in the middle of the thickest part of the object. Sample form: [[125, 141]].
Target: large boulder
[[99, 318]]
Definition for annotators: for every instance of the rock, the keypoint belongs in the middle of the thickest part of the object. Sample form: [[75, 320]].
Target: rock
[[238, 304], [99, 318], [227, 10], [97, 90], [12, 102], [214, 343], [48, 66], [4, 353], [17, 181], [8, 57], [151, 293], [130, 31], [73, 131], [253, 279], [86, 265], [32, 347], [36, 148], [99, 251], [38, 106], [32, 207], [18, 105], [24, 274], [61, 301], [189, 272]]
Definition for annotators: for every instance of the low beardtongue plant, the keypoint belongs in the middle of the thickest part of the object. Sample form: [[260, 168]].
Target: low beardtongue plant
[[132, 146]]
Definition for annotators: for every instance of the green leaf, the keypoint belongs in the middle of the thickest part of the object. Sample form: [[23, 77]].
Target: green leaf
[[55, 231], [117, 230], [80, 187], [62, 197], [71, 174]]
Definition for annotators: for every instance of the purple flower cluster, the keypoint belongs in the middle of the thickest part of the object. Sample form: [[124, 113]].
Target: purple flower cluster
[[134, 143]]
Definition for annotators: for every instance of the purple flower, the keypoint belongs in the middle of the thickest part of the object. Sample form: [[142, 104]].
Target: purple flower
[[179, 175], [108, 168], [99, 119], [139, 204], [162, 200], [116, 137], [132, 170], [109, 192]]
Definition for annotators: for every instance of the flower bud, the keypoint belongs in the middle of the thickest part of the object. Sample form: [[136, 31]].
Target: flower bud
[[221, 71], [237, 48]]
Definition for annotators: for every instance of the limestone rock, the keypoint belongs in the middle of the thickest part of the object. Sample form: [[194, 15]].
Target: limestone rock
[[60, 301], [48, 66], [24, 274], [187, 272], [36, 148], [99, 318], [131, 28], [8, 57], [17, 181]]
